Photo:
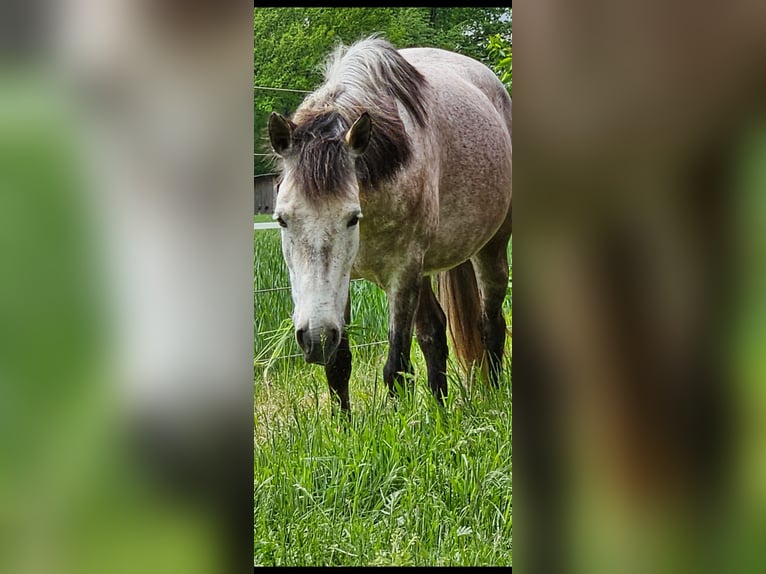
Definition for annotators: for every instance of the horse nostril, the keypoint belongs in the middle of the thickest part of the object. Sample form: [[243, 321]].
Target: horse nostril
[[333, 336], [299, 333]]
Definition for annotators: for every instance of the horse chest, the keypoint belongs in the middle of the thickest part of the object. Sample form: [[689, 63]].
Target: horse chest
[[384, 244]]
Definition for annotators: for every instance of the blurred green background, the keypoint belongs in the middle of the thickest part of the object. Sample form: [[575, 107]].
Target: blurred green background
[[70, 501]]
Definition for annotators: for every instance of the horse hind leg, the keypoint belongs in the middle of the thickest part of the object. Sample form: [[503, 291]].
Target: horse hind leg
[[491, 269], [431, 330]]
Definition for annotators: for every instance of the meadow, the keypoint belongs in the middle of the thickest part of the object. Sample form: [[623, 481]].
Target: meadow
[[406, 482]]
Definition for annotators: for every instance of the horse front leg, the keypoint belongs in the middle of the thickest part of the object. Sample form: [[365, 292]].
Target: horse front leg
[[338, 370], [431, 329], [402, 303]]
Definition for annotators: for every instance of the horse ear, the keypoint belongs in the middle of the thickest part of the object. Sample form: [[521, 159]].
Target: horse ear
[[358, 135], [280, 133]]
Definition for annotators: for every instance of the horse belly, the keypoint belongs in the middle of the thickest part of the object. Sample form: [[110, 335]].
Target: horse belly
[[453, 245], [473, 206]]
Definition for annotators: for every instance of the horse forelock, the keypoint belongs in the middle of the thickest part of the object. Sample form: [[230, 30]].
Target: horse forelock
[[322, 161], [369, 76]]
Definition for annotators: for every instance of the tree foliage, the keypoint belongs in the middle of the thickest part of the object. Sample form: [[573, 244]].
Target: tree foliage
[[501, 55], [290, 45]]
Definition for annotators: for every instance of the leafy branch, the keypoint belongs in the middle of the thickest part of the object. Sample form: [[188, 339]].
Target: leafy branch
[[500, 52]]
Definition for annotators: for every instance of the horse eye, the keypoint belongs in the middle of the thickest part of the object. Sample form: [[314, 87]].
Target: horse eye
[[353, 221], [281, 222]]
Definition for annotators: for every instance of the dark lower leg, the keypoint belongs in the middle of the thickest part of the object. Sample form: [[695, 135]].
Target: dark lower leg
[[402, 303], [431, 324], [491, 268], [493, 336], [338, 371], [398, 367], [338, 374]]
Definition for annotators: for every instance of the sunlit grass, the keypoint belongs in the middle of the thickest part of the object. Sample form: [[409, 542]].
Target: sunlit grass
[[406, 482]]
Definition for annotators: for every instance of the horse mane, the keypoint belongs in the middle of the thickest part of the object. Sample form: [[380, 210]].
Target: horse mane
[[370, 76]]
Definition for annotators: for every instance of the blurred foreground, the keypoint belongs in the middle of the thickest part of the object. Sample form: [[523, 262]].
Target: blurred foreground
[[126, 292], [640, 140]]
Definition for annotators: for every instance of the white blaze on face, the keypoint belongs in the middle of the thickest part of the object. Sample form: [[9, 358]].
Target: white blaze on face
[[320, 241]]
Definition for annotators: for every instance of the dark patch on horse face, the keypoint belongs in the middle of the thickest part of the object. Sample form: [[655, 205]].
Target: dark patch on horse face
[[324, 257]]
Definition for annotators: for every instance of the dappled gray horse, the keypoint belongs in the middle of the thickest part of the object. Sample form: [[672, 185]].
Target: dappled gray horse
[[397, 168]]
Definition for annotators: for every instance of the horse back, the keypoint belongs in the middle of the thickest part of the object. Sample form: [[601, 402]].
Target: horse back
[[435, 63]]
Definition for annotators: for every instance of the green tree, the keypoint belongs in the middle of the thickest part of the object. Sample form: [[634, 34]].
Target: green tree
[[501, 54]]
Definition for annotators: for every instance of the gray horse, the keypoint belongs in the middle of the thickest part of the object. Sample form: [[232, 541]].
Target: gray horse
[[398, 168]]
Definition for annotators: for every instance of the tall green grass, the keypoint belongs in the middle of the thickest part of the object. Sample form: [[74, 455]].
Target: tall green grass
[[406, 482]]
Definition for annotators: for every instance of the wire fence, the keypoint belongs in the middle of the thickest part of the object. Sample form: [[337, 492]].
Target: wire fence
[[274, 289], [281, 89], [357, 346]]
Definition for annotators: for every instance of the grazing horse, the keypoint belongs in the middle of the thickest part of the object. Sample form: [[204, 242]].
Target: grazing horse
[[398, 168]]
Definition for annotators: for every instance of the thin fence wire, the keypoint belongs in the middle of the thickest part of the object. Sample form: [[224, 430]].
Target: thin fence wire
[[359, 346], [273, 289], [281, 89]]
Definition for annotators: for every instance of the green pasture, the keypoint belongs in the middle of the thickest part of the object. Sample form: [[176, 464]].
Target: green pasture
[[405, 483]]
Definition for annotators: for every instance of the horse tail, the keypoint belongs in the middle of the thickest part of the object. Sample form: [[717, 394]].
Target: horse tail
[[458, 294]]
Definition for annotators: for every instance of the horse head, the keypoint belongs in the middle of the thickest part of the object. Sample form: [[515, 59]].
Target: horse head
[[318, 209]]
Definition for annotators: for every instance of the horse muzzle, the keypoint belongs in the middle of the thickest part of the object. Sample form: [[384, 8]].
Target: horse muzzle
[[318, 345]]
